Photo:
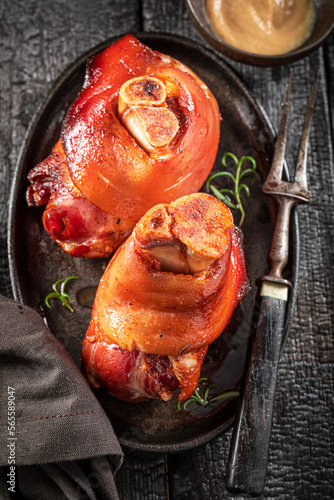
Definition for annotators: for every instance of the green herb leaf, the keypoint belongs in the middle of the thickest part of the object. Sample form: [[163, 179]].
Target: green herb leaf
[[205, 400], [61, 294], [234, 198], [226, 395]]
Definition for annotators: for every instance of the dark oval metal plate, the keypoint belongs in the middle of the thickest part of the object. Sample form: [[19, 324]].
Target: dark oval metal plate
[[36, 262]]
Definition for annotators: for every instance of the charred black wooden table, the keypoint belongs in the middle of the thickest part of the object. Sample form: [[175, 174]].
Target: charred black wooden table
[[38, 40]]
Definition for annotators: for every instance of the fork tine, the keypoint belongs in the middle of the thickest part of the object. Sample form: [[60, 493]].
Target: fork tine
[[300, 175], [275, 174]]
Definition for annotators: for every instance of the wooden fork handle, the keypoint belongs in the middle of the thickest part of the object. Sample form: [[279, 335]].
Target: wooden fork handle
[[249, 450]]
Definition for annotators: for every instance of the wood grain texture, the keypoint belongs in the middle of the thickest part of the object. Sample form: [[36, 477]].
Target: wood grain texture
[[38, 40], [301, 460]]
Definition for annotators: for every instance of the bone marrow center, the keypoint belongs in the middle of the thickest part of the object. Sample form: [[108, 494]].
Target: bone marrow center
[[143, 111], [145, 91], [182, 246]]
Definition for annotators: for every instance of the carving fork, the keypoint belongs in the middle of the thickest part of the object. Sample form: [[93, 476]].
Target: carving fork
[[247, 463]]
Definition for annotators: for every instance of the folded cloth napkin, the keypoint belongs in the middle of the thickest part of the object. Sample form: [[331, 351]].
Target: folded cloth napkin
[[56, 441]]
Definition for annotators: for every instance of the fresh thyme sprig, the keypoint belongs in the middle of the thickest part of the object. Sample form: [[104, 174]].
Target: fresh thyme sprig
[[204, 400], [233, 198], [196, 397], [61, 294]]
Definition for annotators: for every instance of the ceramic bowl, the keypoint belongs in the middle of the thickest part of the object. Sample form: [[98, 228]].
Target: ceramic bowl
[[323, 26]]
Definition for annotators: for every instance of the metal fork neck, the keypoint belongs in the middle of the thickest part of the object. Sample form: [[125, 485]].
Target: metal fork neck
[[279, 251]]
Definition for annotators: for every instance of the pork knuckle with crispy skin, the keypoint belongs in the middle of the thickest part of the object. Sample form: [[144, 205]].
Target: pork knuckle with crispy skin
[[143, 130], [167, 293]]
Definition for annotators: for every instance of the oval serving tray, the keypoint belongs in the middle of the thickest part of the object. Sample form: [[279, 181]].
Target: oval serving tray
[[36, 262]]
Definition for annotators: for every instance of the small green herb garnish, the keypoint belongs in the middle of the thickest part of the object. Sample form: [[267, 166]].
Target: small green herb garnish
[[61, 294], [233, 198], [196, 397], [204, 399]]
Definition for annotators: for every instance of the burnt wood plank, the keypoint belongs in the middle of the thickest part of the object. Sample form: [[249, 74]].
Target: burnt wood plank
[[143, 476], [300, 457], [329, 66], [38, 41]]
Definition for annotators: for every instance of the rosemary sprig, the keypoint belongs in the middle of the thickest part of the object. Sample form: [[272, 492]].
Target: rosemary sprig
[[61, 294], [233, 198], [204, 400]]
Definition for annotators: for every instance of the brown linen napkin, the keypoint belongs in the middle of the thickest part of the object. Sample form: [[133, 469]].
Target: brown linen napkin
[[56, 441]]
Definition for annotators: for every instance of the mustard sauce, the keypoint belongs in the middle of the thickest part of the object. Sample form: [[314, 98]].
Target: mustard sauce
[[266, 27]]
